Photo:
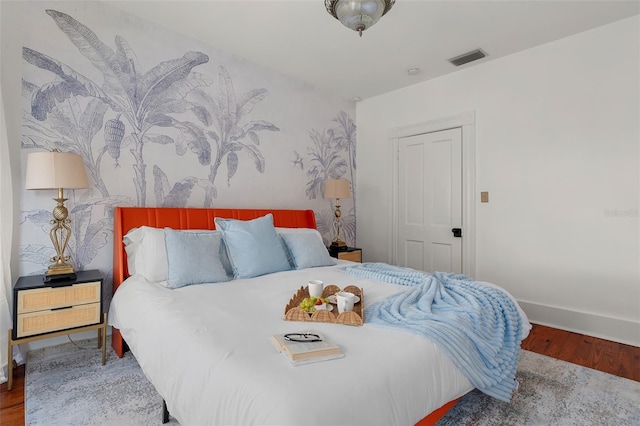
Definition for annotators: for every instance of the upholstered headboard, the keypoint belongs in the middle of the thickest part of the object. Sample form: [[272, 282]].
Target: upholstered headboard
[[126, 218]]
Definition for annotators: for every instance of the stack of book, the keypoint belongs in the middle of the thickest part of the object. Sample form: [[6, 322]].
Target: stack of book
[[302, 350]]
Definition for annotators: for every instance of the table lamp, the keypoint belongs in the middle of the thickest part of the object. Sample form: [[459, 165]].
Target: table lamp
[[338, 189], [57, 170]]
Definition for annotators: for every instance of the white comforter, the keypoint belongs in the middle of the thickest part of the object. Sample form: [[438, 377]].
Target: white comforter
[[207, 350]]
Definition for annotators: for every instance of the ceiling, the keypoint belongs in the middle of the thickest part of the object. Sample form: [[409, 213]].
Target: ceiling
[[299, 38]]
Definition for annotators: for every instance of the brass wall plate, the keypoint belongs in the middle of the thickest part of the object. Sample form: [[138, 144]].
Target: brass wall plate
[[484, 197]]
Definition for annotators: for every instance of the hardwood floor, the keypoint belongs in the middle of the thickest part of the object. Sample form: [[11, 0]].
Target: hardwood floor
[[604, 355], [12, 402]]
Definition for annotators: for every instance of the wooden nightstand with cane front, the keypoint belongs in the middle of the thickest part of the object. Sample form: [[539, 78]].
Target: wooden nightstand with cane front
[[42, 310], [350, 253]]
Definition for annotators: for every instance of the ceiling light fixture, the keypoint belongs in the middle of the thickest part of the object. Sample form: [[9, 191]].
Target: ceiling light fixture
[[358, 14]]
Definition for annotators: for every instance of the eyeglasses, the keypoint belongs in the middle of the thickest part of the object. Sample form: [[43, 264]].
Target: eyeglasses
[[302, 337]]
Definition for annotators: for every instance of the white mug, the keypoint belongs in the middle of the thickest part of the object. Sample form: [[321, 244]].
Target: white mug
[[315, 288], [345, 301]]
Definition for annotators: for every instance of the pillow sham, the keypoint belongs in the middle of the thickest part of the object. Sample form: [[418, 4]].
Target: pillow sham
[[282, 231], [306, 250], [194, 258], [146, 253], [253, 246]]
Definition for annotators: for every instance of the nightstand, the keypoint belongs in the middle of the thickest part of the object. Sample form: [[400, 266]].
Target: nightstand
[[351, 253], [57, 308]]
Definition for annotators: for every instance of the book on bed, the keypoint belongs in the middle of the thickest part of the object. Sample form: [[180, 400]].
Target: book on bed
[[306, 346]]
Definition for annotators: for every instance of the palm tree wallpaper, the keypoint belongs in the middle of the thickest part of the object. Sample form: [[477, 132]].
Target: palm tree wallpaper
[[163, 120], [330, 156]]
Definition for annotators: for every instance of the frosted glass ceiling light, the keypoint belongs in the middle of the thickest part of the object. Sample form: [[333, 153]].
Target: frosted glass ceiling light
[[358, 14]]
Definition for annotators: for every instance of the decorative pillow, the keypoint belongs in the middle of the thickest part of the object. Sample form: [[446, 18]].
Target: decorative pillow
[[253, 246], [146, 253], [193, 258], [306, 250]]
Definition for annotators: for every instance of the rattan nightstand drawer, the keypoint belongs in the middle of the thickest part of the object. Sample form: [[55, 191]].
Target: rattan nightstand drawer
[[38, 299], [354, 256], [59, 319]]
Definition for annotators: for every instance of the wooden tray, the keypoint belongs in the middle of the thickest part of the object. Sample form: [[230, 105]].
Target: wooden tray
[[356, 317]]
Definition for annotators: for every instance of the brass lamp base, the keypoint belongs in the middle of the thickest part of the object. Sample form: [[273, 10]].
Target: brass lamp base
[[57, 269], [59, 272], [338, 245]]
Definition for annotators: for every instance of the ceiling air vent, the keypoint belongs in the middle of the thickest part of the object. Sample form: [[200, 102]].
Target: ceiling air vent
[[465, 58]]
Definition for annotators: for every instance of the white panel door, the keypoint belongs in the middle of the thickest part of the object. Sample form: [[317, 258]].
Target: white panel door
[[430, 201]]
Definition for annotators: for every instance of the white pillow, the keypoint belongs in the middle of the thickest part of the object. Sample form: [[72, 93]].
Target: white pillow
[[313, 231], [146, 253]]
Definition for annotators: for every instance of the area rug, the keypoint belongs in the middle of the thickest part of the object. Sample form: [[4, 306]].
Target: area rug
[[553, 392], [69, 386]]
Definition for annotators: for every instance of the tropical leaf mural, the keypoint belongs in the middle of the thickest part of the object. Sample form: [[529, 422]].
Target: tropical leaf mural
[[170, 115], [325, 159], [325, 162], [137, 96], [61, 119], [345, 137], [221, 117]]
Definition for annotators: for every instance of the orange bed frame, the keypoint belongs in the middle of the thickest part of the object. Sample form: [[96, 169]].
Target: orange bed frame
[[126, 218]]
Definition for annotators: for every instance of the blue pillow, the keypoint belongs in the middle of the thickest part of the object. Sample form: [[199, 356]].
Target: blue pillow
[[307, 251], [194, 258], [253, 246]]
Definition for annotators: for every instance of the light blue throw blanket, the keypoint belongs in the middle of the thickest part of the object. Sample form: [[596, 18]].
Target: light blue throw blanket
[[477, 326]]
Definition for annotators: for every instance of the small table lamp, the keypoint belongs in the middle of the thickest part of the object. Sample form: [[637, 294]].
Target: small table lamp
[[338, 189], [57, 170]]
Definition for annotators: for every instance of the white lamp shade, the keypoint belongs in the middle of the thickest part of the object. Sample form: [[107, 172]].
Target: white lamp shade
[[53, 170], [337, 188]]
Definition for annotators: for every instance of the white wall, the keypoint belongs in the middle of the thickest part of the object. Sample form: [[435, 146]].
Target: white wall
[[557, 147]]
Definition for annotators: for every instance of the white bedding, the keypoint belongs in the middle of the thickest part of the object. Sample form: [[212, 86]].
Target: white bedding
[[206, 349]]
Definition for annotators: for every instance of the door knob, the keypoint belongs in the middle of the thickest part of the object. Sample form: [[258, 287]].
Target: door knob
[[457, 232]]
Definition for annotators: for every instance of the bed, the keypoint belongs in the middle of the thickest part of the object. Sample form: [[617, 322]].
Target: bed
[[206, 347]]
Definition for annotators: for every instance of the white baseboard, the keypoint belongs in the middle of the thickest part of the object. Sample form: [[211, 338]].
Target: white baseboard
[[615, 329]]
